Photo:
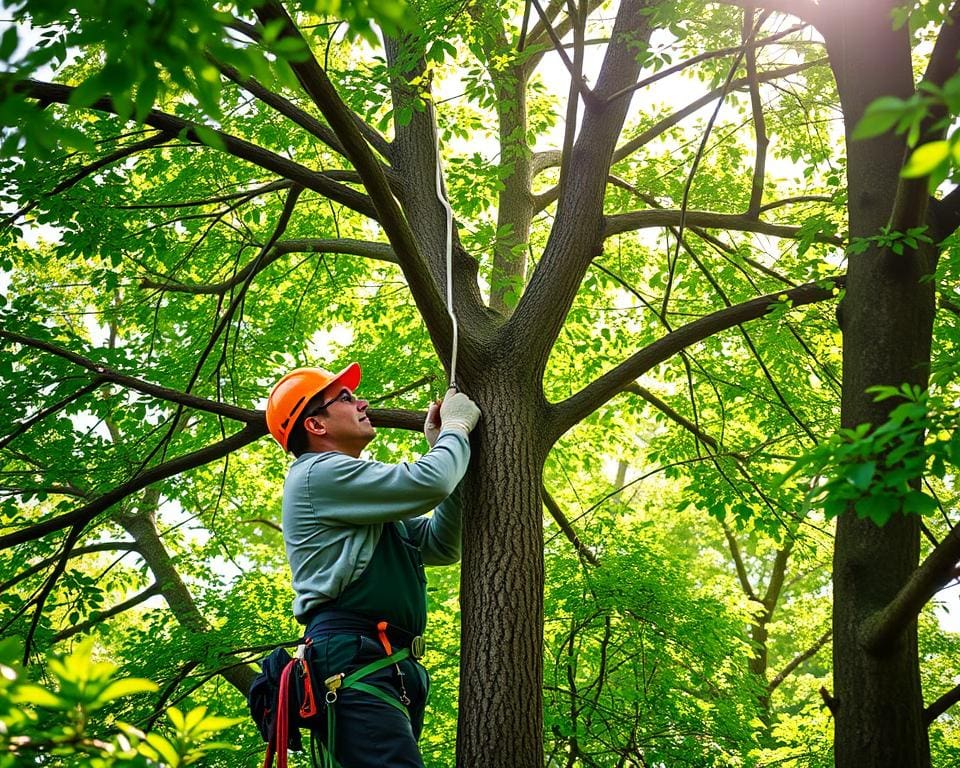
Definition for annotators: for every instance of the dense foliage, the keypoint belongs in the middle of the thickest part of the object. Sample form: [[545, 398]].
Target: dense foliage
[[185, 220]]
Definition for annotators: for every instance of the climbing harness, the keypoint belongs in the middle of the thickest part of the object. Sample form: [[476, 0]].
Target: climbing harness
[[339, 682], [308, 714], [449, 258]]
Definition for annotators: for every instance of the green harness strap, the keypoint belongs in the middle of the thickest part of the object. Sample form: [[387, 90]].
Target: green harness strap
[[353, 680]]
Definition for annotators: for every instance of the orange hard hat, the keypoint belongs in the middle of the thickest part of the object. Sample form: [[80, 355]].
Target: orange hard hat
[[291, 394]]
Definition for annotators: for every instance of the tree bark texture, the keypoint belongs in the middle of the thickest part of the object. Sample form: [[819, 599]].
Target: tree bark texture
[[501, 591], [886, 319]]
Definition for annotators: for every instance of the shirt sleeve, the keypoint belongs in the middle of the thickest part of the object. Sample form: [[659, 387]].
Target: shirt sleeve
[[438, 536], [352, 491]]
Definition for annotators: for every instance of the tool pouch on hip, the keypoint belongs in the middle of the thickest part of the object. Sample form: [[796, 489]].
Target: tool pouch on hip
[[303, 701]]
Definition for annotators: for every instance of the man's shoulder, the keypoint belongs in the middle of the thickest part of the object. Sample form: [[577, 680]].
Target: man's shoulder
[[308, 460]]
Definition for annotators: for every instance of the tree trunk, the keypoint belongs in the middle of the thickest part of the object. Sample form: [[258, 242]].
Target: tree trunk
[[142, 527], [886, 319], [501, 663]]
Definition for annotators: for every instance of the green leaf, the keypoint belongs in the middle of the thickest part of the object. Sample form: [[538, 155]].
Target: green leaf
[[209, 136], [40, 697], [164, 748], [880, 117], [918, 503], [862, 474], [8, 43], [877, 508], [126, 687], [925, 159], [834, 506], [145, 97]]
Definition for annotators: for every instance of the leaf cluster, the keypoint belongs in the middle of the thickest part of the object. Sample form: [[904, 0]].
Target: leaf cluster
[[936, 159], [61, 720], [876, 470]]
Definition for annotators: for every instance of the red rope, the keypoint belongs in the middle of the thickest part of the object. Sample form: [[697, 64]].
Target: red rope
[[283, 715]]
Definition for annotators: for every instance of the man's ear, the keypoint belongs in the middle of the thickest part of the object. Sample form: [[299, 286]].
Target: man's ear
[[315, 426]]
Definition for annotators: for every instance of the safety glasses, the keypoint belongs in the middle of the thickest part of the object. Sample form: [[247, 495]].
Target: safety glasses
[[345, 396]]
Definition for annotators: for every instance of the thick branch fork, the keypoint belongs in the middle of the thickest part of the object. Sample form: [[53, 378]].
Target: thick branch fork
[[562, 416], [884, 628]]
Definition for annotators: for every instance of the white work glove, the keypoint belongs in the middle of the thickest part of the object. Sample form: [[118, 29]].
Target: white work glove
[[458, 412], [431, 427]]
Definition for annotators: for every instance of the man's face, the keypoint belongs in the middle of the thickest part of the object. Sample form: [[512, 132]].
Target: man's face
[[344, 421]]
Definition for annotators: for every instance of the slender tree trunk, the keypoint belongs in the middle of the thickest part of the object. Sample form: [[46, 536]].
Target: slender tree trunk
[[142, 527], [886, 319], [501, 664], [515, 209]]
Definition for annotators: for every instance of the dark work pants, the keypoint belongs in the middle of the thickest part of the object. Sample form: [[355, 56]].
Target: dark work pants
[[369, 732]]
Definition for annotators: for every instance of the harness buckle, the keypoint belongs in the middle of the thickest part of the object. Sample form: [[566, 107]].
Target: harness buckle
[[333, 682], [418, 647]]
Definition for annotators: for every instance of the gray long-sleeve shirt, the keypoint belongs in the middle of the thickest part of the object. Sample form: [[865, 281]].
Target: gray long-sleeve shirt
[[334, 508]]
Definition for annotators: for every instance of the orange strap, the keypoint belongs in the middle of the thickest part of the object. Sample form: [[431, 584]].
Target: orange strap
[[384, 640], [309, 706]]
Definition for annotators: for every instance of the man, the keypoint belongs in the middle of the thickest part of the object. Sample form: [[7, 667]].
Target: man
[[357, 540]]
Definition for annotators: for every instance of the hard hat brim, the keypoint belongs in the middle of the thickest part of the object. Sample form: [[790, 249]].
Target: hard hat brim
[[349, 377]]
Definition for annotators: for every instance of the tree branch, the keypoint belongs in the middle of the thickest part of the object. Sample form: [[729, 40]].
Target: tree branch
[[626, 222], [576, 76], [912, 198], [759, 122], [141, 525], [672, 414], [948, 305], [943, 60], [99, 617], [577, 233], [706, 56], [364, 248], [236, 413], [883, 628], [397, 418], [318, 86], [284, 106], [777, 575], [538, 31], [733, 257], [941, 705], [48, 586], [561, 520], [105, 546], [944, 215], [422, 381], [240, 148], [551, 158], [247, 194], [154, 141], [86, 513], [797, 660], [262, 521], [169, 689], [805, 10], [303, 119], [734, 546], [561, 416], [671, 120], [23, 426], [223, 322]]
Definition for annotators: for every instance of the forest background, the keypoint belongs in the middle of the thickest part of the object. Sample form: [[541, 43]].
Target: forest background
[[684, 278]]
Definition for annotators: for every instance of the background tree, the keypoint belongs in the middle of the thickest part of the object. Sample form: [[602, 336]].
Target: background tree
[[232, 193]]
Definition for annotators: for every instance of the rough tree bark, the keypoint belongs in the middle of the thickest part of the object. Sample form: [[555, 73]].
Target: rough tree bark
[[886, 318]]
